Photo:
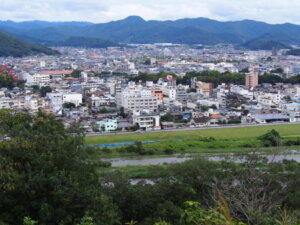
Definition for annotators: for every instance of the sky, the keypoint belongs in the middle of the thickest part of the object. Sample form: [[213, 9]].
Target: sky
[[100, 11]]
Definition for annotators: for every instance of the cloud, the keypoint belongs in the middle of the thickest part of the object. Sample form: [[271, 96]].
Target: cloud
[[272, 11]]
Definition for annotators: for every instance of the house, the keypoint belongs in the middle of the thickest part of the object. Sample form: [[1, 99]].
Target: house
[[200, 121], [108, 125]]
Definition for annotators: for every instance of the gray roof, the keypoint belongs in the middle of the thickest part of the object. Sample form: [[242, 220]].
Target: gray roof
[[270, 116]]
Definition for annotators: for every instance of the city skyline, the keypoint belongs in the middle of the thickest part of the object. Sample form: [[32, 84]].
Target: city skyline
[[278, 11]]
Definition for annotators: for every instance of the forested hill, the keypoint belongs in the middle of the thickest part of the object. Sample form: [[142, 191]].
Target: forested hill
[[135, 29], [10, 46]]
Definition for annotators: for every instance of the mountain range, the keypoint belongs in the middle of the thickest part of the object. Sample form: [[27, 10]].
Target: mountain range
[[134, 29]]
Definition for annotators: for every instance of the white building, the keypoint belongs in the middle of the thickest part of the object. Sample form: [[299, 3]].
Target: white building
[[74, 98], [147, 121], [136, 99], [37, 79]]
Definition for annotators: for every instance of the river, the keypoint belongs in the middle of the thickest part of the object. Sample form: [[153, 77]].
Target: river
[[138, 161]]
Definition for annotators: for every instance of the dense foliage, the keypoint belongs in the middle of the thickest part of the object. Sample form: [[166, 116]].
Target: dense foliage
[[47, 177], [44, 173], [7, 81], [264, 44], [87, 42], [216, 77], [136, 30], [10, 46]]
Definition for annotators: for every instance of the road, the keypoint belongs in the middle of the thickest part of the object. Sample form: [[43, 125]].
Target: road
[[188, 129]]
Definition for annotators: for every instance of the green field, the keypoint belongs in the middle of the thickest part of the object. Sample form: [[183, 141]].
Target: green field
[[292, 130], [210, 140]]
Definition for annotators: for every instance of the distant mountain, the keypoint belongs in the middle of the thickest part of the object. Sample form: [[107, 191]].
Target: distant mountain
[[10, 46], [264, 44], [87, 42], [295, 52], [135, 29]]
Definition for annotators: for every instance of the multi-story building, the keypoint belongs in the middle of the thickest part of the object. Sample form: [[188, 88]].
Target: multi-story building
[[205, 89], [252, 79], [137, 100], [37, 79], [147, 121]]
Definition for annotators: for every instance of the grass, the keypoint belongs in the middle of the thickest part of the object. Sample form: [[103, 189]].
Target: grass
[[134, 172], [242, 139], [225, 133]]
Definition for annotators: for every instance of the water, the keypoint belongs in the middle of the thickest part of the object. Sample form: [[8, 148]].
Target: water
[[138, 161], [146, 161]]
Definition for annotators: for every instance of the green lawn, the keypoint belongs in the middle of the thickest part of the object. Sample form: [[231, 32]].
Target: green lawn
[[292, 130], [196, 141]]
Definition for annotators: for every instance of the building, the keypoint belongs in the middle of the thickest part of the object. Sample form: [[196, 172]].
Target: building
[[270, 118], [74, 98], [137, 100], [252, 79], [206, 89], [37, 79], [56, 74], [147, 121], [158, 93], [108, 125]]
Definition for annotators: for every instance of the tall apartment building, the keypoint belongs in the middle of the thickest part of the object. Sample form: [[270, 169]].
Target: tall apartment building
[[137, 99], [205, 89], [252, 79]]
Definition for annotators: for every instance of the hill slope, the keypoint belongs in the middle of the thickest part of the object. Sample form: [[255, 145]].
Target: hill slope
[[10, 46], [134, 29]]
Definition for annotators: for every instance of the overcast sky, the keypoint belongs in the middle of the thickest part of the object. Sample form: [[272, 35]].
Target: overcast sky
[[272, 11]]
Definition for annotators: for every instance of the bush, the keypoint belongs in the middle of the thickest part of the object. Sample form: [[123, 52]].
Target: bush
[[168, 151], [270, 139]]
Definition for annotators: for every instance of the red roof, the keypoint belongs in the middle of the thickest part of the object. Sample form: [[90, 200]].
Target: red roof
[[56, 72]]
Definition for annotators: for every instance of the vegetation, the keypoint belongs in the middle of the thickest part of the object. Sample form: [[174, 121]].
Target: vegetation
[[87, 42], [264, 44], [7, 81], [270, 139], [224, 134], [47, 177], [198, 141], [273, 79], [214, 77], [10, 46], [69, 105], [42, 91], [136, 30]]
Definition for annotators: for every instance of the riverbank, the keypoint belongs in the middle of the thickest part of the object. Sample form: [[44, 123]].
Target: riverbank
[[230, 140]]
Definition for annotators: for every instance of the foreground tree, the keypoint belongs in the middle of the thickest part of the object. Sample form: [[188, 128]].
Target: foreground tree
[[45, 175]]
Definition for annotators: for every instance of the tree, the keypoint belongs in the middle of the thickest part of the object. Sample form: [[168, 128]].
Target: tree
[[69, 105], [194, 214], [45, 173], [6, 81], [76, 73], [270, 139], [44, 90]]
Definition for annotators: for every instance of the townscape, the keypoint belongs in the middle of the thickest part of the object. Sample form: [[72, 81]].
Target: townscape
[[162, 112], [142, 87]]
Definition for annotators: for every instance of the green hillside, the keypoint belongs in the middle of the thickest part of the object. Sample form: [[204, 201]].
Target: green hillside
[[10, 46]]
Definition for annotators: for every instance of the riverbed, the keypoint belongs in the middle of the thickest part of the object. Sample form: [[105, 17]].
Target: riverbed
[[179, 158]]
